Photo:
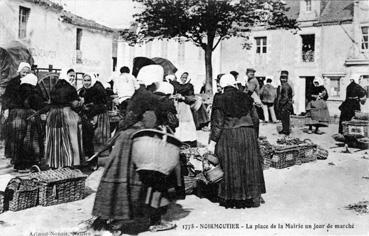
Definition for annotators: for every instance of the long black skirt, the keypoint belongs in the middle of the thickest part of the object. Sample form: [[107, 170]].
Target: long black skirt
[[241, 161], [24, 143]]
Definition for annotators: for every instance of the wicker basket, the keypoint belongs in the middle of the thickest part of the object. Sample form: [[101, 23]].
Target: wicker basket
[[321, 153], [60, 186], [307, 152], [213, 174], [21, 194], [356, 128], [2, 195], [190, 183], [284, 156], [155, 150], [266, 150], [267, 162]]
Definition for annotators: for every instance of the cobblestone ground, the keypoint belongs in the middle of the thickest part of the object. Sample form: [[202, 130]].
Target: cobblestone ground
[[310, 195]]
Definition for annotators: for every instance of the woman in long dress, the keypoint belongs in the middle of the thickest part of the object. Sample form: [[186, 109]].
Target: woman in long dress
[[234, 141], [10, 102], [355, 94], [127, 200], [96, 125], [184, 92], [64, 145], [317, 109], [24, 137]]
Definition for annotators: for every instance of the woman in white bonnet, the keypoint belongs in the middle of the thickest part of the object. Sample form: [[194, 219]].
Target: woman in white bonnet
[[233, 139], [63, 125], [317, 109], [355, 95], [95, 118], [24, 142], [124, 199]]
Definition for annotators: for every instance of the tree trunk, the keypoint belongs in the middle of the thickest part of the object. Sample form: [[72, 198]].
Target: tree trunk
[[209, 70]]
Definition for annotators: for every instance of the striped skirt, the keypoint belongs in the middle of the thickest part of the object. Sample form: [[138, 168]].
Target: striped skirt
[[241, 161], [63, 138], [23, 138], [102, 132]]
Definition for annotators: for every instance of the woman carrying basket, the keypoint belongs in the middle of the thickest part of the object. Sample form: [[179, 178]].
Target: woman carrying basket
[[127, 200], [234, 141]]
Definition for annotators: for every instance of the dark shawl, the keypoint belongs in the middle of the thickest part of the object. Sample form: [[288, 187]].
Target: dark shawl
[[11, 97], [95, 99], [30, 97], [231, 106], [144, 100], [318, 90], [63, 93]]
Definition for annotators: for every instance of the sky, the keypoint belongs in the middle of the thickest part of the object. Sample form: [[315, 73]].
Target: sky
[[112, 13]]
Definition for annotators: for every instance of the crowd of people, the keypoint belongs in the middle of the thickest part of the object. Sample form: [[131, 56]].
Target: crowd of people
[[72, 125]]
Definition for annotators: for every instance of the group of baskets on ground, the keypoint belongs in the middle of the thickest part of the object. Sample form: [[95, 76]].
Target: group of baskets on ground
[[44, 188], [290, 152], [357, 129]]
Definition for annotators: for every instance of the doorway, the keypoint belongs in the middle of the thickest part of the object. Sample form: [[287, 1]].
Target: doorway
[[308, 88]]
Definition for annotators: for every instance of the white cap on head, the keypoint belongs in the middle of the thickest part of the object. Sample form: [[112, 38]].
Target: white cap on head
[[29, 79], [150, 74], [319, 81], [165, 87], [23, 65], [227, 80], [355, 78]]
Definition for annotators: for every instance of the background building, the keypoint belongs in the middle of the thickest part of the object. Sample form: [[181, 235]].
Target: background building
[[57, 37], [332, 44]]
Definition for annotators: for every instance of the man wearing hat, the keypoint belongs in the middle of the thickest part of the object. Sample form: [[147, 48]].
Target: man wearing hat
[[253, 89], [284, 103]]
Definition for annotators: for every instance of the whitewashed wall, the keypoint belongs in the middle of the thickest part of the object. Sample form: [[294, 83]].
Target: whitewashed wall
[[53, 42]]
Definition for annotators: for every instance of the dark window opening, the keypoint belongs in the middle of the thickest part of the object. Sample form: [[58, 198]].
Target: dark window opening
[[308, 5], [23, 20], [261, 45], [78, 39], [364, 40], [114, 63], [308, 47]]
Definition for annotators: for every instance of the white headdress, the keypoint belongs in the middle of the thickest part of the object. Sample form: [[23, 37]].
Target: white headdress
[[93, 78], [150, 74], [23, 65], [29, 79], [227, 80]]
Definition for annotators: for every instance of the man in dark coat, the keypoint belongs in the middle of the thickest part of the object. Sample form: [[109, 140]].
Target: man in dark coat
[[284, 103]]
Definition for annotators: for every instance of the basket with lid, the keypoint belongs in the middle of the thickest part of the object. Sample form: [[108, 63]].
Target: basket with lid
[[20, 193], [60, 186]]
